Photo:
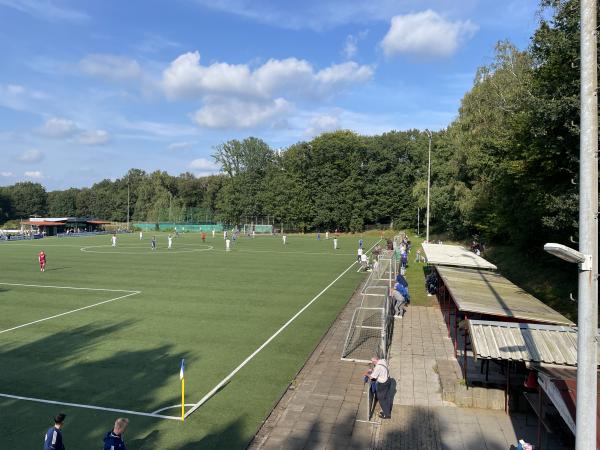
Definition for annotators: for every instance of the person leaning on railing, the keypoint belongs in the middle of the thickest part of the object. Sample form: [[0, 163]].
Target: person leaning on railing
[[380, 374]]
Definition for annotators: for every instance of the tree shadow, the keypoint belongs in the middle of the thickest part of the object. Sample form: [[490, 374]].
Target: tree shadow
[[78, 366]]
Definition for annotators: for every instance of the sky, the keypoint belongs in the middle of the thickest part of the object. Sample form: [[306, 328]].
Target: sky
[[90, 89]]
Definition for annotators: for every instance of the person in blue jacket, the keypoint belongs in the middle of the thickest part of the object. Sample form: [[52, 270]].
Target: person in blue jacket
[[53, 438], [114, 439]]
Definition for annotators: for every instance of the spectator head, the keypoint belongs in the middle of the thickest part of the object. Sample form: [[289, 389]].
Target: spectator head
[[374, 360], [59, 420], [120, 425]]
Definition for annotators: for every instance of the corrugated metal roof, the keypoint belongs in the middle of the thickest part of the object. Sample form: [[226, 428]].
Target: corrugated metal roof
[[454, 255], [489, 293], [528, 342]]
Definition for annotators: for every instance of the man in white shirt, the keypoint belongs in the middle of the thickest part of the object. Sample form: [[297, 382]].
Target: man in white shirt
[[114, 240], [381, 375]]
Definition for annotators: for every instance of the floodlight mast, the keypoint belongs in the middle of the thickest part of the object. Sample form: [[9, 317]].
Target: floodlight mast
[[587, 311], [428, 183], [587, 256]]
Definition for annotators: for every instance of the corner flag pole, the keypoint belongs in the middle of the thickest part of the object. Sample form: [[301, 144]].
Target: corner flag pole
[[181, 377]]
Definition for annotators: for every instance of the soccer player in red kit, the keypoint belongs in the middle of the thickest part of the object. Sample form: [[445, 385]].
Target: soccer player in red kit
[[203, 236], [42, 260]]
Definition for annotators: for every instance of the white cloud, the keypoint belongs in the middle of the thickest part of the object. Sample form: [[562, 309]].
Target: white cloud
[[7, 174], [351, 45], [160, 129], [110, 67], [31, 156], [321, 124], [235, 113], [20, 98], [203, 164], [58, 128], [316, 15], [46, 9], [186, 78], [426, 34], [34, 174], [203, 167], [178, 146], [93, 137], [154, 43]]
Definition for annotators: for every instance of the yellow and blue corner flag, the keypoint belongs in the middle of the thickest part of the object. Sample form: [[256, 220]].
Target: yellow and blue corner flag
[[181, 370]]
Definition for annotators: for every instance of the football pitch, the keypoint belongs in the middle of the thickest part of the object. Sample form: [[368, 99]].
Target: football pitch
[[101, 334]]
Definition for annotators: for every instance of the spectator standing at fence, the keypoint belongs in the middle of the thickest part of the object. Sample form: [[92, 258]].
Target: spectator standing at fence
[[114, 439], [153, 242], [335, 243], [53, 439], [42, 261], [225, 234], [114, 240], [381, 375], [318, 236]]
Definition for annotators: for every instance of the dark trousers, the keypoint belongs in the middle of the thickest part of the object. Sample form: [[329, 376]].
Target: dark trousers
[[384, 397]]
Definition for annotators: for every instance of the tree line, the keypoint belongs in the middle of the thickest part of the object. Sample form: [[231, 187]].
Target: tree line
[[505, 169]]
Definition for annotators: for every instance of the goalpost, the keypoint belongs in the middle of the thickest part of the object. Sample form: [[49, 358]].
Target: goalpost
[[252, 229]]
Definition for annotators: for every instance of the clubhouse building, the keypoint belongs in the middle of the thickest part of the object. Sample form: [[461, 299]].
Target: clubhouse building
[[52, 226]]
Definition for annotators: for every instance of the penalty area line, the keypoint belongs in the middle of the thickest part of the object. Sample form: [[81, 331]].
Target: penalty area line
[[71, 311], [225, 380], [68, 287], [93, 407]]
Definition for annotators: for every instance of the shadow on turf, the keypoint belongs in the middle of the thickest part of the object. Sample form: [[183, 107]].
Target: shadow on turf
[[58, 268], [90, 364]]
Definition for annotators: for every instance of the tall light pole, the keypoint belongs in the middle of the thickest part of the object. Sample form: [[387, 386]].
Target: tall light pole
[[587, 311], [587, 256], [428, 184], [127, 202]]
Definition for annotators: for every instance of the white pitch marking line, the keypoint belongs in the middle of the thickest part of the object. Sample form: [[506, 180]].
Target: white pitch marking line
[[69, 287], [70, 312], [98, 408], [171, 407], [249, 358]]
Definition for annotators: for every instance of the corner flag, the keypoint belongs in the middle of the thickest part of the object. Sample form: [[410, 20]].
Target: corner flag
[[181, 377]]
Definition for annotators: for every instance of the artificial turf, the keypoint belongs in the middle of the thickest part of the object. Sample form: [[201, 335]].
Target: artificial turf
[[211, 307]]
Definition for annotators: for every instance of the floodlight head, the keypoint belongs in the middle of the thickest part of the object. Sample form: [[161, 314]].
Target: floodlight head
[[565, 253]]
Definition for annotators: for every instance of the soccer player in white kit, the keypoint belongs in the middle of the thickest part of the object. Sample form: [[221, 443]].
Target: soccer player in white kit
[[284, 239], [213, 232], [170, 238], [114, 240], [141, 235], [327, 235], [227, 245], [335, 243]]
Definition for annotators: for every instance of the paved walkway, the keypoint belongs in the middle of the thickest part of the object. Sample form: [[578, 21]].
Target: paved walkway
[[330, 413]]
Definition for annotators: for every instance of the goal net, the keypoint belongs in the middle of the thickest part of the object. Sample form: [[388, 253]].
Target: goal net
[[252, 229]]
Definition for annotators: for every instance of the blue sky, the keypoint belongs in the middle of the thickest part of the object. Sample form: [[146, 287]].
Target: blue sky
[[91, 89]]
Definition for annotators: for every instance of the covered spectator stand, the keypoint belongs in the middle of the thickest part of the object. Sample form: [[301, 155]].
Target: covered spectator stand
[[478, 294], [550, 354]]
